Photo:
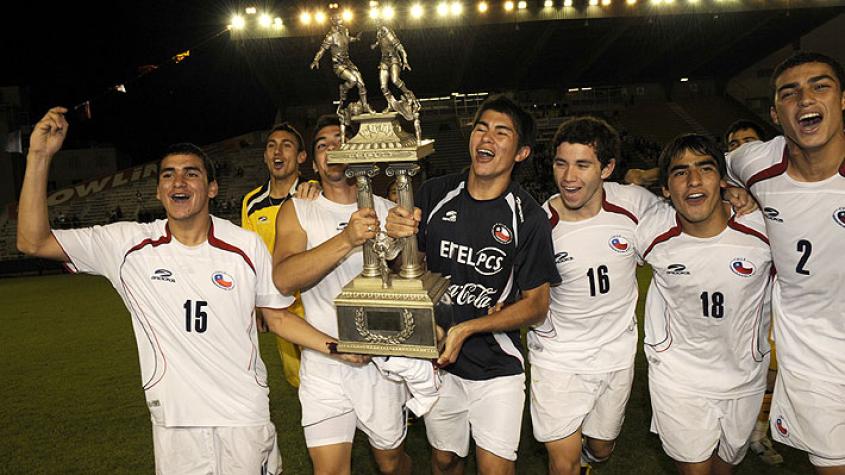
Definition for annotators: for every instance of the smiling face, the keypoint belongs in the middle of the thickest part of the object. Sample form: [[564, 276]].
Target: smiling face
[[694, 186], [183, 187], [808, 105], [494, 146], [579, 176], [326, 139], [282, 155]]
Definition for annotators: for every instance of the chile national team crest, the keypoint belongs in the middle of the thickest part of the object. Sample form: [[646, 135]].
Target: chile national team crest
[[502, 234], [619, 244], [839, 216], [780, 425], [223, 280], [742, 268]]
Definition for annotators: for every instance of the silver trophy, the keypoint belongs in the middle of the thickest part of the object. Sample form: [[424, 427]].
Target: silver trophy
[[381, 312]]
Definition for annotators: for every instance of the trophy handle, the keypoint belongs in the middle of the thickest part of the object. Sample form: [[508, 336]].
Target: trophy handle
[[411, 267]]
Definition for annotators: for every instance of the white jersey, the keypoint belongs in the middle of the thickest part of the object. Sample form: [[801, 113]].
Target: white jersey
[[193, 315], [322, 219], [806, 225], [592, 326], [707, 314]]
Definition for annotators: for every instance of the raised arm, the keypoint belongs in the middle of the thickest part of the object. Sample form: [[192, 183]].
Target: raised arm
[[295, 267], [35, 237]]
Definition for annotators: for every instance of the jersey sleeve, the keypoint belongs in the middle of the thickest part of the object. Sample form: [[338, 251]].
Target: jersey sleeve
[[642, 200], [245, 222], [266, 293], [658, 220], [97, 250], [751, 158], [535, 257]]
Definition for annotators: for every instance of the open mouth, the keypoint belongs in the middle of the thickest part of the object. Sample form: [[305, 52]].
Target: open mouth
[[809, 120], [695, 198], [278, 164], [180, 197], [484, 153]]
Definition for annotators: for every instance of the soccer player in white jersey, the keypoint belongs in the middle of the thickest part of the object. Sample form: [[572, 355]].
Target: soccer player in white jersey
[[191, 284], [707, 317], [582, 357], [319, 250], [799, 180]]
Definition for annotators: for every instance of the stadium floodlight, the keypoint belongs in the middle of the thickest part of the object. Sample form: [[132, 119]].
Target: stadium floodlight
[[594, 3], [442, 9], [373, 12], [320, 17], [265, 21], [567, 3], [250, 10], [417, 10], [456, 8], [388, 12], [347, 15], [631, 2], [305, 18], [508, 6], [277, 23], [572, 89], [548, 4], [605, 3], [482, 7], [238, 22], [684, 79], [522, 5]]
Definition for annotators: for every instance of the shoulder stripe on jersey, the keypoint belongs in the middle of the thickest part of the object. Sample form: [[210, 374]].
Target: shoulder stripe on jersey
[[674, 231], [513, 202], [555, 217], [214, 241], [612, 208], [262, 194], [151, 242], [746, 230], [771, 172], [451, 194]]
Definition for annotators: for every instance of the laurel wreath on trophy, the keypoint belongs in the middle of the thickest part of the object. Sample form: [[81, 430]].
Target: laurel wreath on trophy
[[407, 328]]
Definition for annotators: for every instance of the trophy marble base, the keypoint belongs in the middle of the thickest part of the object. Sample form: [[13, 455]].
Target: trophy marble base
[[395, 321]]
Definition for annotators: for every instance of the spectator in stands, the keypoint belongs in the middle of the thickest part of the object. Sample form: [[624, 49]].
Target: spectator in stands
[[742, 132]]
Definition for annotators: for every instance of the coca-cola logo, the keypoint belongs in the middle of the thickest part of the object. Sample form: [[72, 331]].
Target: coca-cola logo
[[473, 294]]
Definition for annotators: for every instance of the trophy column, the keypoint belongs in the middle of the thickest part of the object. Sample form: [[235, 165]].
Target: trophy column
[[363, 175], [411, 266]]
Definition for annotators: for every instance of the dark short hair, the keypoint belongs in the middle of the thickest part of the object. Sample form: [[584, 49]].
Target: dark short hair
[[803, 57], [593, 132], [187, 148], [698, 144], [526, 128], [323, 121], [289, 128], [743, 124]]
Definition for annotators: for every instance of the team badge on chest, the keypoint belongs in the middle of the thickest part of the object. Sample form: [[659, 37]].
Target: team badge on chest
[[619, 244], [839, 216], [223, 280], [502, 234], [742, 268]]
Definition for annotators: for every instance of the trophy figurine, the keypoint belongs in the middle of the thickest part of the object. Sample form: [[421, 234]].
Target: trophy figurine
[[381, 312]]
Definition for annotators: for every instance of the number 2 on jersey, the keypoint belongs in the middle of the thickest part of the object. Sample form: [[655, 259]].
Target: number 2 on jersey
[[600, 274], [198, 319], [805, 247]]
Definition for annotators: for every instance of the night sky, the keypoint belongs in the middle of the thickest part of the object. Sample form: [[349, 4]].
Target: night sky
[[67, 54]]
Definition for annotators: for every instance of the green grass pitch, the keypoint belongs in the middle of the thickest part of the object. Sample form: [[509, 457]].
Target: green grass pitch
[[72, 402]]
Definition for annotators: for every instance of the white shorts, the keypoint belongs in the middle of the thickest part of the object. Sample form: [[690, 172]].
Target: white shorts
[[692, 427], [332, 395], [562, 402], [491, 410], [809, 414], [216, 450]]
